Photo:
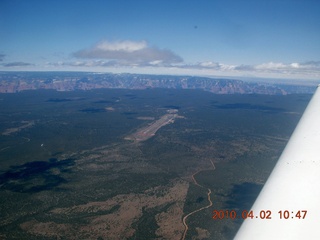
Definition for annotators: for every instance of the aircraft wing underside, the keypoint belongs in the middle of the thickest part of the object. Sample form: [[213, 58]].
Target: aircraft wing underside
[[288, 207]]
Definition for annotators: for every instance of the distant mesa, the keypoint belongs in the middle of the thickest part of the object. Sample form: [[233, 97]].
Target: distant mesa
[[12, 82]]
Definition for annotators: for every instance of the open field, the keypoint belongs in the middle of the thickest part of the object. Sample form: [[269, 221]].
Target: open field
[[68, 172]]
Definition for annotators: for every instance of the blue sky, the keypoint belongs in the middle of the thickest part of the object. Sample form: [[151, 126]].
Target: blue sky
[[261, 38]]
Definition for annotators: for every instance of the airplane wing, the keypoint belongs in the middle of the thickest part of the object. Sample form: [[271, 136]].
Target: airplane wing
[[288, 206]]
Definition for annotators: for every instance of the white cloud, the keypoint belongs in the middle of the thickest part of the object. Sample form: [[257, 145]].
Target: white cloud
[[201, 65], [129, 53], [306, 70], [295, 65], [91, 63], [133, 55], [270, 65], [156, 62], [290, 68], [126, 46], [209, 64]]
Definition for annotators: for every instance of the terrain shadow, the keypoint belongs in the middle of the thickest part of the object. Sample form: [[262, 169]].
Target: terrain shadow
[[35, 176]]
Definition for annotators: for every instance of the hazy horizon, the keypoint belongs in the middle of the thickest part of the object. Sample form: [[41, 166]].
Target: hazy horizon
[[247, 39]]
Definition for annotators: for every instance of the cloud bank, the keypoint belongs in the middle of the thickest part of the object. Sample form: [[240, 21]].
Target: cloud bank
[[140, 57], [308, 70], [17, 64], [138, 54], [129, 53], [305, 70], [311, 68]]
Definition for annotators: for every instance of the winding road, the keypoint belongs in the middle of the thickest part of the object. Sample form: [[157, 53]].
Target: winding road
[[184, 220]]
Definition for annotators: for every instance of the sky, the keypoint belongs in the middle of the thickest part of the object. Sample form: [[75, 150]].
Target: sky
[[244, 38]]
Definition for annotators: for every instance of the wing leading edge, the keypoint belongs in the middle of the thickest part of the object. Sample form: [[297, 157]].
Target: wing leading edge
[[288, 207]]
